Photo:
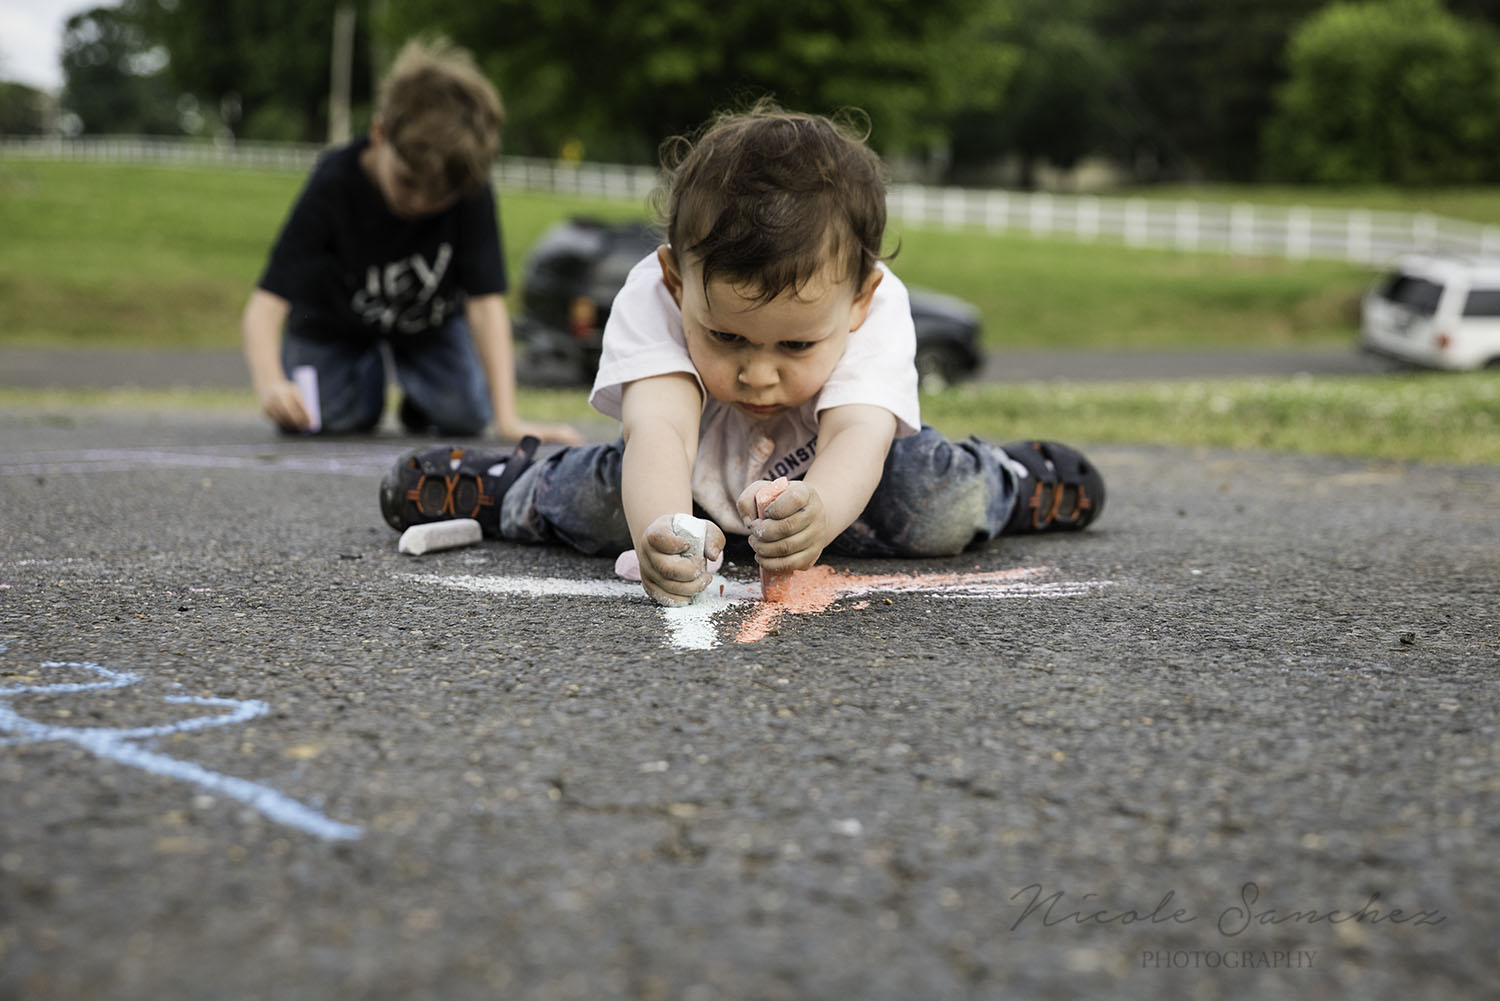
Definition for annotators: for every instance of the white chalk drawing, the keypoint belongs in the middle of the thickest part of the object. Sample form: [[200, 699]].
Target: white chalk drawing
[[124, 745], [699, 626], [690, 627]]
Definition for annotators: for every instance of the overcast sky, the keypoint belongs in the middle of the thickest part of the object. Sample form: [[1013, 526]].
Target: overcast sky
[[31, 39]]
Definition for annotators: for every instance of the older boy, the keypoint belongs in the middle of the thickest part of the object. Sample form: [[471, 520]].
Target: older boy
[[767, 338], [394, 241]]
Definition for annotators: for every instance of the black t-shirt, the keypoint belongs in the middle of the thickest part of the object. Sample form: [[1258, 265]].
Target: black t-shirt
[[352, 269]]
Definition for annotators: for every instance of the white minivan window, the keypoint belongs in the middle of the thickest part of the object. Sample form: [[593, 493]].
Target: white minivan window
[[1417, 294], [1482, 302]]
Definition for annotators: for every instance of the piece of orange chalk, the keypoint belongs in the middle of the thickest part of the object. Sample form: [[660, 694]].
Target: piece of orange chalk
[[775, 585]]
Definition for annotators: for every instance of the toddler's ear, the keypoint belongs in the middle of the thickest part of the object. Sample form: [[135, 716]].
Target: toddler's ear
[[862, 299], [670, 276]]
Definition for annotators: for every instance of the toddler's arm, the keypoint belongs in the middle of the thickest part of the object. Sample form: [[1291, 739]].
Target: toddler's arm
[[852, 445], [660, 426]]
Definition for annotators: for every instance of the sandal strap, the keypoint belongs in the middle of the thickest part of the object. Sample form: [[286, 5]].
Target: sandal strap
[[1058, 473], [520, 460]]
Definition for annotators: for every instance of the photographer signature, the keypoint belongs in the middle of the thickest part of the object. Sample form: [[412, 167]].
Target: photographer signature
[[1051, 910]]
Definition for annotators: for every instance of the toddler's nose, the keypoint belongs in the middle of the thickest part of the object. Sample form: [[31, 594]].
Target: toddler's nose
[[758, 373]]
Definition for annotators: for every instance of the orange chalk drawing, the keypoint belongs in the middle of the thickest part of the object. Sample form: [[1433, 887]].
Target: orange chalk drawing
[[816, 589]]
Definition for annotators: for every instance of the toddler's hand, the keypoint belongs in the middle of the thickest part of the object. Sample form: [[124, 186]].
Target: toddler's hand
[[790, 535], [668, 575]]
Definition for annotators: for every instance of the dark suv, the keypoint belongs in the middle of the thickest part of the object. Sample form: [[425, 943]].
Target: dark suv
[[575, 269]]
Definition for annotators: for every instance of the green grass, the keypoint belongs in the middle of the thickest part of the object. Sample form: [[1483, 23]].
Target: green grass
[[1058, 294], [1477, 204], [1435, 417], [1429, 417], [155, 256]]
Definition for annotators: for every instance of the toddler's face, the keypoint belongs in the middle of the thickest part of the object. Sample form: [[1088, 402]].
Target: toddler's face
[[764, 358]]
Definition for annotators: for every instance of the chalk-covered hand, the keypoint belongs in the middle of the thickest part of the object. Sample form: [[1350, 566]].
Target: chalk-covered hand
[[282, 402], [791, 533], [668, 573]]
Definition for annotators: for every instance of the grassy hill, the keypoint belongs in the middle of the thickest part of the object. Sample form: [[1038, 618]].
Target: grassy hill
[[147, 255]]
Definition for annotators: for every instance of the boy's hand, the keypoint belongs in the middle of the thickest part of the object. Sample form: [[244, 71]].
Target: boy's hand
[[560, 434], [668, 575], [790, 536], [282, 402]]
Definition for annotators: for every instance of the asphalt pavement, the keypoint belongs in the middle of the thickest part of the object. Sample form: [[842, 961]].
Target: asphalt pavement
[[1238, 740]]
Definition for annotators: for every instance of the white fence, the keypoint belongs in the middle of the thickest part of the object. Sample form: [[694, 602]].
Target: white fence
[[163, 151], [1297, 232]]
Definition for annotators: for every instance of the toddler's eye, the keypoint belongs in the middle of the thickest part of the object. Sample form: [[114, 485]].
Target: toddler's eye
[[796, 347], [724, 338]]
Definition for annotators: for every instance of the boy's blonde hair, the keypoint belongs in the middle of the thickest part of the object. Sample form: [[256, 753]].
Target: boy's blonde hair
[[765, 197], [441, 115]]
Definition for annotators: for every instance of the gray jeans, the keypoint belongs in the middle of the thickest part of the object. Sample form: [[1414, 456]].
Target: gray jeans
[[935, 498]]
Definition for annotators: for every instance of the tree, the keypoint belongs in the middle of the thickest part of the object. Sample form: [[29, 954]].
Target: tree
[[1061, 101], [1397, 91], [624, 76], [24, 111], [1476, 10], [113, 79], [263, 63], [1198, 77]]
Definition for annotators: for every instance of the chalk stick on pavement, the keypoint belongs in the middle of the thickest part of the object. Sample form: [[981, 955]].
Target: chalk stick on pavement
[[775, 585], [306, 379], [438, 535], [628, 566]]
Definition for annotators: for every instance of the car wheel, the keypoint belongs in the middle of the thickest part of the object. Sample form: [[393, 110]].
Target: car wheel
[[938, 367]]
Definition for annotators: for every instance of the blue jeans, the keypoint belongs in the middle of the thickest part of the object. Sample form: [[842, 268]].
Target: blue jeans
[[439, 372], [935, 498]]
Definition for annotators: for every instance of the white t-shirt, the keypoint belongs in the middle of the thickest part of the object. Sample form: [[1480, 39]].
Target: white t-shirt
[[644, 338]]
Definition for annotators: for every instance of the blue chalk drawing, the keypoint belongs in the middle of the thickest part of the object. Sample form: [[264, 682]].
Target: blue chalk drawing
[[122, 745]]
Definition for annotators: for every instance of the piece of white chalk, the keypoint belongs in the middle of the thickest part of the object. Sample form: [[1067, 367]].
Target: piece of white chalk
[[436, 535], [306, 378], [693, 531]]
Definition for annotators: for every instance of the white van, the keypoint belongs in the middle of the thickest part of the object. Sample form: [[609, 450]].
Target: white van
[[1440, 311]]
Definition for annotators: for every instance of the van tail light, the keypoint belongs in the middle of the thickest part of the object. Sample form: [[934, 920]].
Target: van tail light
[[583, 317], [1443, 340]]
